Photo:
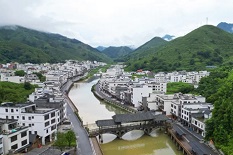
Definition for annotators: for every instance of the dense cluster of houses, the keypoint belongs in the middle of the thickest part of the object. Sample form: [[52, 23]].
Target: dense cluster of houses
[[27, 125], [189, 109]]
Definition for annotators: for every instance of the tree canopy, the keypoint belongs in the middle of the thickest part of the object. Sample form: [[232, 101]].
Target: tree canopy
[[218, 89]]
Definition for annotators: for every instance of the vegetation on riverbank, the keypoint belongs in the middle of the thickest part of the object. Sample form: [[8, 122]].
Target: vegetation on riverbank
[[13, 92], [96, 70], [217, 88]]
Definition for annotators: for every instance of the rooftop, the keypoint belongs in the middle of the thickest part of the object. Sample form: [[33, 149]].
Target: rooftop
[[16, 105]]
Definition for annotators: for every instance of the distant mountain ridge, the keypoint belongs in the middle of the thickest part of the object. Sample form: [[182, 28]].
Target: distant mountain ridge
[[116, 52], [226, 27], [168, 37], [205, 46], [21, 44], [100, 48]]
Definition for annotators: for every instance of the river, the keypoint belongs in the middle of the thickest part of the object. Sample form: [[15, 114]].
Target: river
[[132, 143]]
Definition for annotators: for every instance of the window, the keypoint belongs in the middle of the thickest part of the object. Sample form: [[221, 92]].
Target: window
[[32, 117], [29, 125], [47, 131], [30, 132], [32, 124], [53, 114], [14, 147], [29, 118], [35, 132], [12, 117], [46, 117], [12, 110], [46, 124], [14, 138], [6, 110], [24, 142], [23, 124], [6, 117], [17, 116], [23, 134], [53, 127], [16, 109], [23, 117], [53, 121]]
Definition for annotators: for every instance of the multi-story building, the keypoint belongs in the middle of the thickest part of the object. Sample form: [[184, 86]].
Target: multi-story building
[[15, 137], [184, 100], [41, 121]]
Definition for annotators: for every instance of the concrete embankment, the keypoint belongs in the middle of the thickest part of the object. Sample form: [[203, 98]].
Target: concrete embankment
[[112, 102]]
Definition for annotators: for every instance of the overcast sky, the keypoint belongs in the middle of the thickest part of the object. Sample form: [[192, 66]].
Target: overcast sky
[[115, 22]]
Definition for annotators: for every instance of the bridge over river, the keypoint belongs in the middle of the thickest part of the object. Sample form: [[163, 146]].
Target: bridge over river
[[123, 123]]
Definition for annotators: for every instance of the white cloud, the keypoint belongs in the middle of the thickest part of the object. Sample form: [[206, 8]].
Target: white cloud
[[111, 22]]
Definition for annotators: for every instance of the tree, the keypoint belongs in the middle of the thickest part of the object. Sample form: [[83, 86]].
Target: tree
[[20, 73], [27, 86], [61, 141], [40, 76], [70, 137]]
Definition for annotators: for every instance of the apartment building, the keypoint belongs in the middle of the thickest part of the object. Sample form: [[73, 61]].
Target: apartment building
[[41, 121], [15, 138]]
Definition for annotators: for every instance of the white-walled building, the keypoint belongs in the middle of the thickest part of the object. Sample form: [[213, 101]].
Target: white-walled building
[[15, 137], [15, 79], [139, 91], [41, 121]]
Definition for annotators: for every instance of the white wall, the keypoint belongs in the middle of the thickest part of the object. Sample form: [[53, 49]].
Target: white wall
[[138, 93]]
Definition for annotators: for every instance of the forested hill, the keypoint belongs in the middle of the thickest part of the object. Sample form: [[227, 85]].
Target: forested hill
[[116, 52], [205, 46], [149, 48], [26, 45], [217, 88]]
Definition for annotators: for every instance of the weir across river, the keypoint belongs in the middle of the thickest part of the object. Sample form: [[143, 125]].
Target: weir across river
[[123, 123]]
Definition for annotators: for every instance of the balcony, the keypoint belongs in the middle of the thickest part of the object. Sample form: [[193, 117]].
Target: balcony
[[8, 132]]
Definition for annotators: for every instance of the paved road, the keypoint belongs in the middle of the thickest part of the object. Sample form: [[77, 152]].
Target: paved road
[[84, 146], [192, 138]]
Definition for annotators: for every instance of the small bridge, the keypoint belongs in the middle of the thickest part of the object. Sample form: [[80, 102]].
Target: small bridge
[[123, 123]]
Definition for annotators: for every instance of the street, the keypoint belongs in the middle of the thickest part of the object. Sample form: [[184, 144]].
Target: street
[[192, 138]]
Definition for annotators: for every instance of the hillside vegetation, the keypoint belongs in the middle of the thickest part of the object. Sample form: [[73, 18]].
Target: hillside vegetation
[[149, 48], [13, 92], [218, 89], [116, 52], [205, 46], [25, 45]]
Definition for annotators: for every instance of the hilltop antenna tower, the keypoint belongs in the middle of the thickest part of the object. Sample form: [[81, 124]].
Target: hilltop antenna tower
[[206, 20]]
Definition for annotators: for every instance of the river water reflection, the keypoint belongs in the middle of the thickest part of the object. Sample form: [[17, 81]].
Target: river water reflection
[[132, 143]]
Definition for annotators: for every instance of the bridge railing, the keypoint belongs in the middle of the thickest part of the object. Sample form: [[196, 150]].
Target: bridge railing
[[128, 126]]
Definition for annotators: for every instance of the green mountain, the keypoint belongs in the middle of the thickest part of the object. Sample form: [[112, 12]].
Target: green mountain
[[205, 46], [148, 48], [116, 52], [26, 45]]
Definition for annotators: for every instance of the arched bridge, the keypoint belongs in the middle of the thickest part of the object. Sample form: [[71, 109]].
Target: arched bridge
[[123, 123]]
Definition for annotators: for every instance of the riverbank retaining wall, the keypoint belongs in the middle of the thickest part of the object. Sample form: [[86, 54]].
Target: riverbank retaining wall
[[121, 106]]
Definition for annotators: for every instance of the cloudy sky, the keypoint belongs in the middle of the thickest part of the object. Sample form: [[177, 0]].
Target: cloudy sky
[[115, 22]]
